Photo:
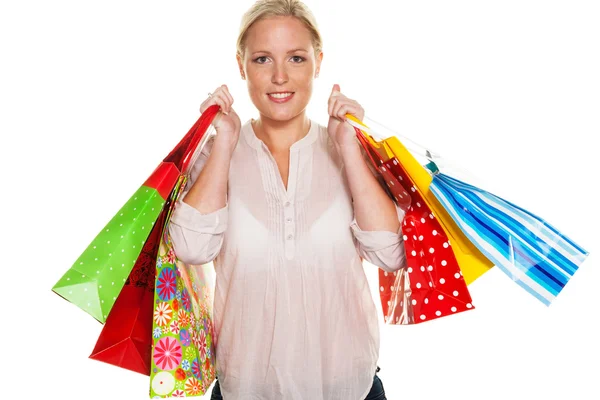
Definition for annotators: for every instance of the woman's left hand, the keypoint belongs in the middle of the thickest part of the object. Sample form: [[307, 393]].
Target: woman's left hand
[[342, 133]]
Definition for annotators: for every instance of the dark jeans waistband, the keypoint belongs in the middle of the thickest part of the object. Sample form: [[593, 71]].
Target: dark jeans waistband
[[377, 391]]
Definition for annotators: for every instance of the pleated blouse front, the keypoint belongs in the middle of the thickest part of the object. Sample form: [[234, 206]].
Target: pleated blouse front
[[293, 314]]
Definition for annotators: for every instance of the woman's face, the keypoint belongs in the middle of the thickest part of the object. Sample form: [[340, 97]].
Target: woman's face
[[280, 65]]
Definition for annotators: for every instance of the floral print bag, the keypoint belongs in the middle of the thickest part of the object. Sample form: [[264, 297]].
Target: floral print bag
[[183, 350]]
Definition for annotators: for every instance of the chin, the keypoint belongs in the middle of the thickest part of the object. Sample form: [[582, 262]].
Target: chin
[[281, 115]]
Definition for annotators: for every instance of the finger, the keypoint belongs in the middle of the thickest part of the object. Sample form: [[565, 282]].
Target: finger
[[347, 109], [226, 96], [210, 100], [225, 104], [355, 107], [330, 103], [215, 121], [335, 92], [207, 103], [218, 100], [217, 91], [333, 103], [358, 111], [336, 110], [229, 98], [360, 114], [338, 105]]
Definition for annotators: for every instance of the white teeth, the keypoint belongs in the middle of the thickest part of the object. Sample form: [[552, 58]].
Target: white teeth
[[280, 95]]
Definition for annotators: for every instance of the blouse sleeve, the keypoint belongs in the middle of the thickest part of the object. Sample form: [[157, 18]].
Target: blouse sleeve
[[384, 249], [197, 238]]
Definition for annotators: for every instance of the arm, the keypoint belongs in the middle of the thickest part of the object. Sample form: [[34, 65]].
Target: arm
[[373, 209], [381, 248], [209, 190], [199, 220], [377, 223], [377, 219]]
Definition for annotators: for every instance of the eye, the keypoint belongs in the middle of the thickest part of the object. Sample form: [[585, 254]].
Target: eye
[[300, 59], [257, 59]]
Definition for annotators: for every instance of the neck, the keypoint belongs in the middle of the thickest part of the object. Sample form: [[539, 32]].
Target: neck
[[281, 135]]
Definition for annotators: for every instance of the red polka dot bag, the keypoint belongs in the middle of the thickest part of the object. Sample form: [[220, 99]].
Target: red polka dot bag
[[431, 285]]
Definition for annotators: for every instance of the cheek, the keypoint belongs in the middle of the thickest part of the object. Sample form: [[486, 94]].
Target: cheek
[[257, 83], [305, 78], [305, 86]]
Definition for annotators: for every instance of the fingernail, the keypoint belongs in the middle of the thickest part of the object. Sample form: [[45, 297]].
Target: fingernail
[[225, 112]]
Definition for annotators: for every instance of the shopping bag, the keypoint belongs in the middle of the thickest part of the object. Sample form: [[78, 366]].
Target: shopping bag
[[183, 345], [524, 246], [528, 249], [126, 338], [431, 285], [96, 278], [472, 262]]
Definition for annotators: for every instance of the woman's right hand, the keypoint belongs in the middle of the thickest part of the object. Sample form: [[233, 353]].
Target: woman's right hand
[[226, 122]]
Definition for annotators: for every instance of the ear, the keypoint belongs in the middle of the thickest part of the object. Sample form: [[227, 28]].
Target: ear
[[319, 60], [240, 66]]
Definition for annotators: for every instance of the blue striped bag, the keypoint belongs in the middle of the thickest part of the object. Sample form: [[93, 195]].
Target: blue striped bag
[[530, 251]]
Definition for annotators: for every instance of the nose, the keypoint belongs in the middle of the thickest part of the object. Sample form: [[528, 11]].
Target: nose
[[280, 75]]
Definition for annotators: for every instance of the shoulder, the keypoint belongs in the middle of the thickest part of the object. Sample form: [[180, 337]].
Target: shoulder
[[247, 137], [325, 145], [322, 135], [247, 125]]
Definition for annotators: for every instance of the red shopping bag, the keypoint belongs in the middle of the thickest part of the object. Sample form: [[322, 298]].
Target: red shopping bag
[[126, 338], [431, 286]]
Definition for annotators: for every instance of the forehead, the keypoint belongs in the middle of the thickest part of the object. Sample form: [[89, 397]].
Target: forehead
[[278, 34]]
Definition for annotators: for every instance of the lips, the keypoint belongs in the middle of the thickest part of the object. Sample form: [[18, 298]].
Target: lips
[[280, 94], [280, 97]]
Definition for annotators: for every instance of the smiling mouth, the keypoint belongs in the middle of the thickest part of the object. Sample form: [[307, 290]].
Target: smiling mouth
[[280, 95]]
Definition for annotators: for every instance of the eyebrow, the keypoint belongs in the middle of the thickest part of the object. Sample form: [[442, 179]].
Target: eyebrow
[[289, 52]]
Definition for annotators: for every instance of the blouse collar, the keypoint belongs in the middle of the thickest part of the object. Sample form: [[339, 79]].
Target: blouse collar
[[255, 142]]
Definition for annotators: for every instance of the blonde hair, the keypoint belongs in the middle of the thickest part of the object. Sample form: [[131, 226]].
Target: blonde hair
[[278, 8]]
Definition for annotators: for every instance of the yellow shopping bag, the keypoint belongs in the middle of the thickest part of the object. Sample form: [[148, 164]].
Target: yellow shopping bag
[[472, 262]]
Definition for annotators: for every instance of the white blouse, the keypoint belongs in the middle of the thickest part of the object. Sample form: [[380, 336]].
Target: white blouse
[[294, 318]]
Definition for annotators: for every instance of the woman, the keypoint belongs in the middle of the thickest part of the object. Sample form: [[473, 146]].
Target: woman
[[286, 208]]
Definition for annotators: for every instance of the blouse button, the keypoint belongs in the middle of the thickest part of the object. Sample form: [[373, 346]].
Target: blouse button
[[287, 204], [288, 220], [290, 237]]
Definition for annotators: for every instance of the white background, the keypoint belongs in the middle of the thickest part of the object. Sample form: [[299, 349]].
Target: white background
[[94, 94]]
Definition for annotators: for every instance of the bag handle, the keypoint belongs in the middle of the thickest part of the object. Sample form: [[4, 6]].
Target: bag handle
[[401, 195], [187, 150], [436, 164], [368, 147], [415, 148]]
